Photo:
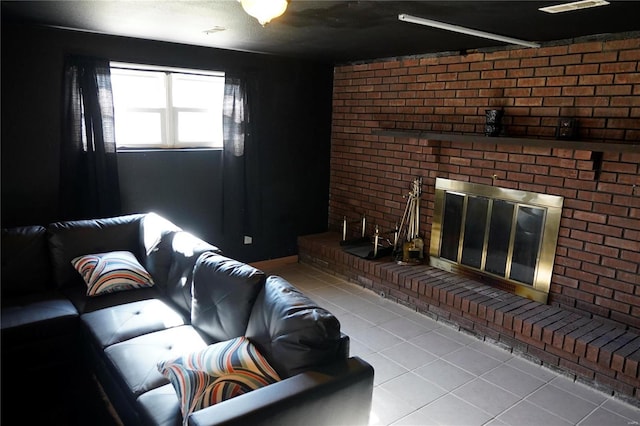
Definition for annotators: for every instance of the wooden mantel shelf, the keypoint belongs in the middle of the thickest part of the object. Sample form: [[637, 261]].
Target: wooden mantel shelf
[[547, 143]]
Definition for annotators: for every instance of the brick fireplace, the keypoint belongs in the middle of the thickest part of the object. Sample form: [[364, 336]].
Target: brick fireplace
[[391, 123]]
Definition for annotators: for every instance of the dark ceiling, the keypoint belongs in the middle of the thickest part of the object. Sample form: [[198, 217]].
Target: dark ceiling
[[334, 31]]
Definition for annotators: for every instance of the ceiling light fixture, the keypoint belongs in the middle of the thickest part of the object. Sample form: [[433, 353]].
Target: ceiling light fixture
[[264, 10], [465, 30], [214, 30], [576, 5]]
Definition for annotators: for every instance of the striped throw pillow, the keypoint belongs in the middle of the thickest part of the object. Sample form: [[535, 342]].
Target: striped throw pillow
[[110, 272], [219, 372]]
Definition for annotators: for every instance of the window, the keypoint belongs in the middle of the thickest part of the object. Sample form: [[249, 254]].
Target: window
[[167, 108]]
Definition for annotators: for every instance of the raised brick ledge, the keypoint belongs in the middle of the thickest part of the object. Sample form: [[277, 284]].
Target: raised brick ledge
[[590, 351]]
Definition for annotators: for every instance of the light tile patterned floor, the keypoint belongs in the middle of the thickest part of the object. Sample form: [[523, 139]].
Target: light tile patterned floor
[[427, 373]]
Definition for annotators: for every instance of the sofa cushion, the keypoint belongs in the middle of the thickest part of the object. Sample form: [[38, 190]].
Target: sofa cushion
[[25, 261], [38, 334], [37, 314], [153, 229], [291, 330], [111, 272], [185, 250], [70, 239], [219, 372], [160, 406], [156, 234], [84, 303], [136, 360], [224, 291], [122, 322]]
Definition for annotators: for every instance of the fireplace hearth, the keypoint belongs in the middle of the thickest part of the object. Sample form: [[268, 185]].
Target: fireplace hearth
[[504, 236]]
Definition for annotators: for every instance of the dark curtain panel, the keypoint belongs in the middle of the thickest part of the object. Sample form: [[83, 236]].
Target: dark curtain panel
[[233, 161], [89, 169], [240, 186], [234, 112]]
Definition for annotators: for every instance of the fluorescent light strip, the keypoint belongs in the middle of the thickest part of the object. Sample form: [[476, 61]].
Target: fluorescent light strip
[[576, 5], [464, 30]]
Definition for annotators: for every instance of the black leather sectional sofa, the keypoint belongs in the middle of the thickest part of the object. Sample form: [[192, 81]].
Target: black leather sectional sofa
[[199, 298]]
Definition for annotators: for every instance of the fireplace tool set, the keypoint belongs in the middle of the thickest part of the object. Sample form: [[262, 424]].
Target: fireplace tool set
[[412, 250], [409, 251]]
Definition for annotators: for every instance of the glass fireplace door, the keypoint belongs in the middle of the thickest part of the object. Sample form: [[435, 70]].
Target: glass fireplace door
[[498, 232]]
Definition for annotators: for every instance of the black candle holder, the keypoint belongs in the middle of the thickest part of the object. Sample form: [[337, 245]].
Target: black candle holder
[[493, 123], [567, 128]]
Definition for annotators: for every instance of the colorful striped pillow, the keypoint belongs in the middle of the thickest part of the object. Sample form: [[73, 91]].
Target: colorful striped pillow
[[219, 372], [110, 272]]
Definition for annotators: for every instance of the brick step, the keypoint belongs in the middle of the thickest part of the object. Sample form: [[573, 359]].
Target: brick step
[[598, 353]]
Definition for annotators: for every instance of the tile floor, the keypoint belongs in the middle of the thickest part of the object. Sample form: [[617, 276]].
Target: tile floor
[[427, 373]]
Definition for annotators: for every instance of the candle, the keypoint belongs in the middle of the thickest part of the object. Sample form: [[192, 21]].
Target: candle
[[344, 228]]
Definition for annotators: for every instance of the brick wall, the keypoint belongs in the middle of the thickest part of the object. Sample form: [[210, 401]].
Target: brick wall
[[597, 261]]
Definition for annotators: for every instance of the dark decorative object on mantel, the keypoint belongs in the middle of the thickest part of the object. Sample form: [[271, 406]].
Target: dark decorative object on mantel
[[567, 128], [493, 124]]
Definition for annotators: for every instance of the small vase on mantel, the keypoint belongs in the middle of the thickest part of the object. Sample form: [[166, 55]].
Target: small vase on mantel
[[493, 123], [567, 128]]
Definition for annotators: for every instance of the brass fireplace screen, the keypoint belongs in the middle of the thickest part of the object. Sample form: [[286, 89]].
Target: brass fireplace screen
[[507, 236]]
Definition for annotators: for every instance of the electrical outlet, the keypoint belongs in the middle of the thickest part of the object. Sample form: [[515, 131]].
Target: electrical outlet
[[248, 239]]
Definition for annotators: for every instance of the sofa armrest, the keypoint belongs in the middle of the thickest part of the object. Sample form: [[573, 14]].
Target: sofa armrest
[[292, 331], [338, 394]]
